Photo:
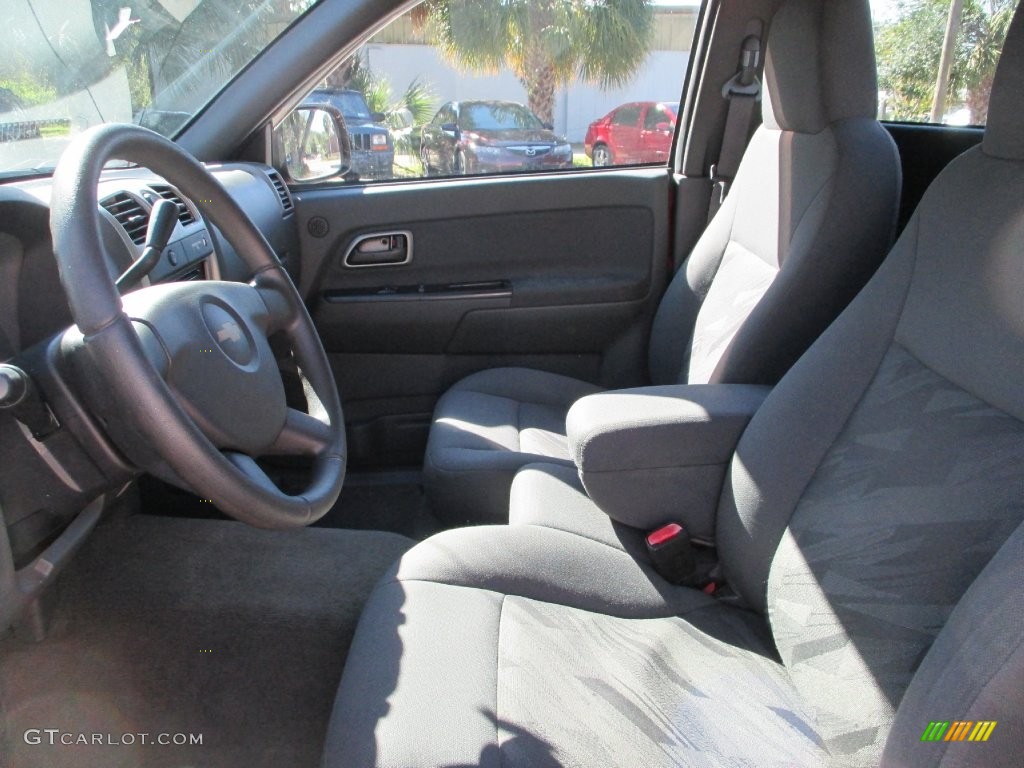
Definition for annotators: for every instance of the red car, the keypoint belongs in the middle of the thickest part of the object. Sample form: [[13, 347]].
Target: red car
[[639, 132]]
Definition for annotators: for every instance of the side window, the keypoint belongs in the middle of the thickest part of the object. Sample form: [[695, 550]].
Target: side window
[[627, 116], [936, 58], [659, 115], [533, 106]]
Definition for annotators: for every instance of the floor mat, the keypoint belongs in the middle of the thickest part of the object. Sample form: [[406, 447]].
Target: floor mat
[[201, 628]]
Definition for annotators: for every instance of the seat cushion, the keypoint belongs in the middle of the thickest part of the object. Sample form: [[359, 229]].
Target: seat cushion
[[485, 428], [474, 648], [552, 496]]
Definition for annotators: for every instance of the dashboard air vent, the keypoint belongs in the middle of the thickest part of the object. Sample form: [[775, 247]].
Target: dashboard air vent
[[167, 193], [282, 191], [129, 214]]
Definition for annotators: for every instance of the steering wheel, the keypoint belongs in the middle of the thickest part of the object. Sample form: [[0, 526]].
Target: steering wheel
[[188, 366]]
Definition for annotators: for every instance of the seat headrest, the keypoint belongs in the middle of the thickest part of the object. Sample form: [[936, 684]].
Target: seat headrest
[[1004, 136], [820, 65]]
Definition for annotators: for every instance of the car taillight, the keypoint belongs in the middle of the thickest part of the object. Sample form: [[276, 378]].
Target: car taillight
[[379, 141]]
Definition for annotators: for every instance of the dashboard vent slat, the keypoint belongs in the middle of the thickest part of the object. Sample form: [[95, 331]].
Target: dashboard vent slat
[[167, 193], [129, 214], [282, 191]]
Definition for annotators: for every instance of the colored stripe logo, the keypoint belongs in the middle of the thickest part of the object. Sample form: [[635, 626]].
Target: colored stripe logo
[[958, 730]]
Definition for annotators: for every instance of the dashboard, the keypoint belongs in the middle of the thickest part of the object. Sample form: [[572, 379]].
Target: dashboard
[[46, 483], [32, 303]]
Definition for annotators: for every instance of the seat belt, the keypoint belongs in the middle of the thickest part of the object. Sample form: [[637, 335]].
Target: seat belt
[[743, 92]]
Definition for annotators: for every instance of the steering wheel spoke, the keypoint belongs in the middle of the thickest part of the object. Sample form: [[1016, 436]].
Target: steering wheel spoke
[[281, 314], [303, 435]]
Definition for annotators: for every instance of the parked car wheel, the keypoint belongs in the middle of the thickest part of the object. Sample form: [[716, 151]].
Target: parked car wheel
[[602, 155]]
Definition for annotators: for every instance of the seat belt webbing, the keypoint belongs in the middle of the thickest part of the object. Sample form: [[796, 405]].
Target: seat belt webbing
[[743, 92]]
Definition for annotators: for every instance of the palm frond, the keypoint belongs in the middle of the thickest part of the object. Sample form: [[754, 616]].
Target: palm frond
[[420, 100], [601, 41]]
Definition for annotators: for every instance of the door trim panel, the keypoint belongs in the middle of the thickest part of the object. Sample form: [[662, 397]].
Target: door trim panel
[[557, 271]]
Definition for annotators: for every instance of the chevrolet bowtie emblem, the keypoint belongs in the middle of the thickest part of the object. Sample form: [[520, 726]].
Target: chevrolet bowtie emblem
[[229, 332]]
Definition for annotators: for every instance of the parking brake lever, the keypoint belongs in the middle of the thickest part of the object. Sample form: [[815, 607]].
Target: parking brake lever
[[162, 218]]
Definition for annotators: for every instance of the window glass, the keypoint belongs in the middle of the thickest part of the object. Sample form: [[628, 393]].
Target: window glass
[[658, 115], [71, 64], [353, 105], [497, 116], [628, 116], [528, 85], [917, 82]]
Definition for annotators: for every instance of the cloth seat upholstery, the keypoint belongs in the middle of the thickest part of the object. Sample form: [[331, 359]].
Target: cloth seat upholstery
[[487, 426], [435, 697], [553, 496], [810, 215]]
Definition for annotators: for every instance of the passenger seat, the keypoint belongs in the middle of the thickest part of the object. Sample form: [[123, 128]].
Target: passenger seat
[[810, 216]]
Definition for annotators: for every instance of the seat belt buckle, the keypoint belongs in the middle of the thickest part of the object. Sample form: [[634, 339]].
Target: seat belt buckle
[[671, 552]]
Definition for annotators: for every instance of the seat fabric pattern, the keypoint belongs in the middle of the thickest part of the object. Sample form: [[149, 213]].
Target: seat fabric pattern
[[974, 672], [740, 283], [911, 502], [666, 688], [482, 656]]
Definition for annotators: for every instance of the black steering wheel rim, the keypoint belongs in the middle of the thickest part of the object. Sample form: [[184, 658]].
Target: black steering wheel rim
[[115, 352]]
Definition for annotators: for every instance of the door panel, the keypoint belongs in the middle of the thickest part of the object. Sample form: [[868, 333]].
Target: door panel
[[656, 145], [557, 271]]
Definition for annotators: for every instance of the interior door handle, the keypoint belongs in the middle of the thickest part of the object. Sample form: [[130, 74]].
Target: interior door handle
[[380, 249]]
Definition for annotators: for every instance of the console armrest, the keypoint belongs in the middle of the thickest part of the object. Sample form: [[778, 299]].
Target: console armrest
[[655, 455]]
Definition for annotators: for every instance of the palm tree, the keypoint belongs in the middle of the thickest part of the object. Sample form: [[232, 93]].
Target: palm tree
[[417, 98], [908, 51], [984, 33], [546, 43]]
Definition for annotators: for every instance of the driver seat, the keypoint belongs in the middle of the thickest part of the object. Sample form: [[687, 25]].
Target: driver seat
[[870, 528]]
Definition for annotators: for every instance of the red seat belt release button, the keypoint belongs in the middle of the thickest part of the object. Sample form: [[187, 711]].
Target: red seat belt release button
[[664, 534]]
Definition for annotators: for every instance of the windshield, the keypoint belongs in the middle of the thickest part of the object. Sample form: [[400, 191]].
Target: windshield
[[499, 116], [72, 64], [352, 104]]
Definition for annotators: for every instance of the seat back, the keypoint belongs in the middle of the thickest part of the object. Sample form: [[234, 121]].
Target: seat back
[[810, 215], [886, 470]]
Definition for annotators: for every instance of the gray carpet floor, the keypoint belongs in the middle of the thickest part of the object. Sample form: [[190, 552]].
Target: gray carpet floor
[[380, 501], [167, 626], [383, 501]]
